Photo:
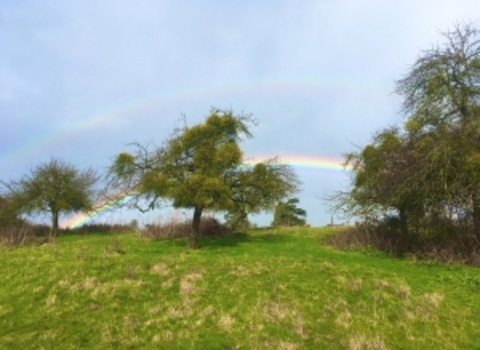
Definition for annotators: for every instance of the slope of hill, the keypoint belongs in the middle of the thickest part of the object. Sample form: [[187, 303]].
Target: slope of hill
[[266, 289]]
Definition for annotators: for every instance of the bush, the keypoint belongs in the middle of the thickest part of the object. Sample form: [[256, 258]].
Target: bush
[[17, 234], [102, 228], [447, 243], [176, 228]]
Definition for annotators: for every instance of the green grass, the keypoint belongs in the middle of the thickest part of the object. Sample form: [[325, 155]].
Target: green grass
[[279, 289]]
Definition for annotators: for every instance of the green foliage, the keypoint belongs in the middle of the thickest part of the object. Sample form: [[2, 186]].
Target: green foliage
[[201, 168], [55, 188], [433, 161], [258, 188], [9, 215], [288, 214], [263, 289]]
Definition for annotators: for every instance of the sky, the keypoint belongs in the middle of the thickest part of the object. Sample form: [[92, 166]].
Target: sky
[[79, 81]]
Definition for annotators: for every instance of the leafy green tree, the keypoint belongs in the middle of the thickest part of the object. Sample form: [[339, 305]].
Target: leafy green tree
[[442, 95], [258, 188], [403, 174], [55, 188], [8, 212], [435, 158], [289, 214], [201, 168]]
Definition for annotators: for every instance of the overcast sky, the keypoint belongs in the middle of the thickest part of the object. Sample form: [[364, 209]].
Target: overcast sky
[[79, 80]]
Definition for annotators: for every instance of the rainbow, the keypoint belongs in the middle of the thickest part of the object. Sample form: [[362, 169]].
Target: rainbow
[[321, 163], [116, 115], [80, 219], [304, 161]]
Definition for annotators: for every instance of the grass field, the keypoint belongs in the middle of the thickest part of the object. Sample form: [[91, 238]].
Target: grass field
[[267, 289]]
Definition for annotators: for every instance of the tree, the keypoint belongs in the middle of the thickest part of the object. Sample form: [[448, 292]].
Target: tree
[[258, 188], [442, 93], [201, 168], [55, 188], [288, 214], [403, 174], [8, 213], [434, 160]]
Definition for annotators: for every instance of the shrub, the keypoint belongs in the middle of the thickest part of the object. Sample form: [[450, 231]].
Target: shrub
[[176, 228], [14, 235], [446, 244], [102, 228]]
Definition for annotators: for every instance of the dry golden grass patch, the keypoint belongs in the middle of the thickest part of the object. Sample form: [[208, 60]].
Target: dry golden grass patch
[[89, 283], [341, 280], [188, 282], [240, 271], [154, 310], [160, 269], [168, 335], [64, 284], [155, 339], [282, 345], [131, 321], [344, 319], [186, 287], [403, 291], [207, 311], [168, 283], [226, 322], [174, 312], [51, 301], [355, 284], [363, 343], [326, 266], [427, 305]]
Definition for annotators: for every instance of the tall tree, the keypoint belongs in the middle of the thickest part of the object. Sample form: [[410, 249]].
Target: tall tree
[[442, 92], [55, 188], [201, 168], [435, 160]]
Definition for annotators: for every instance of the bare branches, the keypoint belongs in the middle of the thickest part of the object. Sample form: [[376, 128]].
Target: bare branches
[[443, 85], [435, 159]]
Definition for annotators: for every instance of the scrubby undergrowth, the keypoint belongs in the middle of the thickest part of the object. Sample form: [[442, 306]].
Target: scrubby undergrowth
[[176, 227], [447, 244]]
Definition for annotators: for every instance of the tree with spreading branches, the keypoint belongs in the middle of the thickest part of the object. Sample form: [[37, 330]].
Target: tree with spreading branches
[[55, 188], [201, 167], [434, 161], [442, 96]]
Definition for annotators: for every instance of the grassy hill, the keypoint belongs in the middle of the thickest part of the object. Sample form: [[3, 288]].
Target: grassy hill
[[267, 289]]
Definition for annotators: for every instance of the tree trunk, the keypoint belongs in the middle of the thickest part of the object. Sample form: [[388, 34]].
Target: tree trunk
[[476, 215], [243, 221], [404, 239], [195, 233], [54, 230]]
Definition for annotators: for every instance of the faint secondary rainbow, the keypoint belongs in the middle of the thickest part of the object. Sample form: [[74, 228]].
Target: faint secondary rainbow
[[134, 108], [302, 161]]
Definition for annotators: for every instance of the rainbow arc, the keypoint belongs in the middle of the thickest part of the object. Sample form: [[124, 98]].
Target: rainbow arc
[[302, 161]]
